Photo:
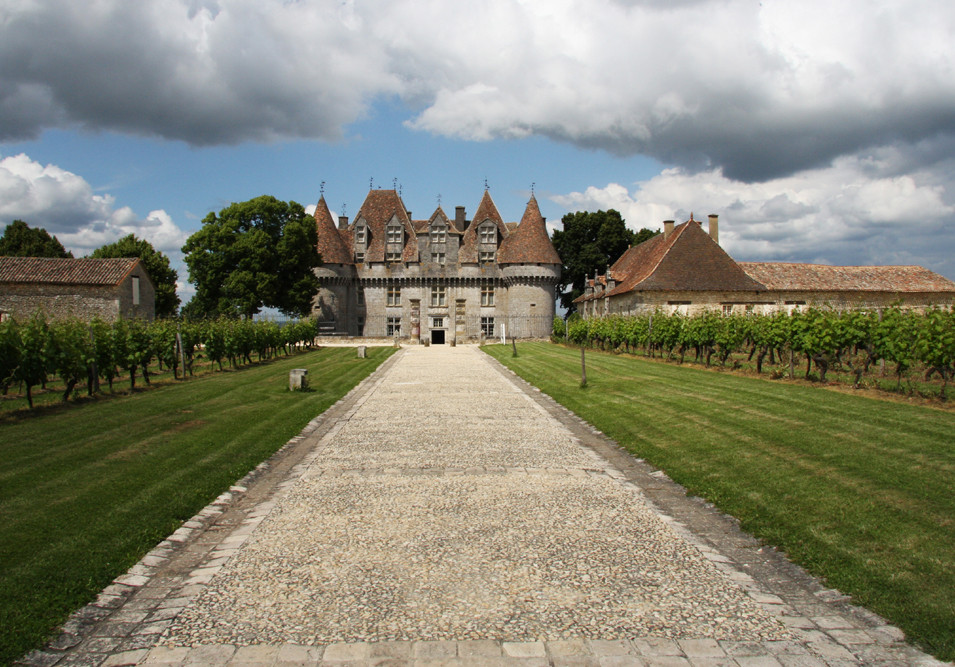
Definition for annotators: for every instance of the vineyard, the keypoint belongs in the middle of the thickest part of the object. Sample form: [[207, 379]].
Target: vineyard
[[36, 351], [915, 350]]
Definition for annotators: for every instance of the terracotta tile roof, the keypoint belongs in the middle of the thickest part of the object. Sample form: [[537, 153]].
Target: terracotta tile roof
[[486, 211], [686, 260], [83, 271], [330, 245], [378, 209], [529, 243], [782, 276]]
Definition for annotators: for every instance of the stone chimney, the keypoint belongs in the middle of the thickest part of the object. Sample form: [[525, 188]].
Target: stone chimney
[[343, 222], [667, 228], [715, 227], [459, 219]]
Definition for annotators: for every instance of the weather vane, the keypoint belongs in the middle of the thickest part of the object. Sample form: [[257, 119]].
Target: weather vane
[[486, 185], [322, 188], [439, 200], [371, 183], [344, 209], [532, 188]]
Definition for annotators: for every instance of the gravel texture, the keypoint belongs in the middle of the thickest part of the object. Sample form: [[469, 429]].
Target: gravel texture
[[452, 507]]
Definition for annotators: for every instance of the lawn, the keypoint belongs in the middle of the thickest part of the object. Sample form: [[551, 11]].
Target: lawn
[[857, 490], [86, 490]]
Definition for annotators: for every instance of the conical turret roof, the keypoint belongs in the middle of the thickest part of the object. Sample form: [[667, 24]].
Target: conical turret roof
[[529, 243], [330, 244]]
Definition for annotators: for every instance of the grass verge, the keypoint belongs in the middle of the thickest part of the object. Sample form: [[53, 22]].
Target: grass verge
[[859, 491], [86, 491]]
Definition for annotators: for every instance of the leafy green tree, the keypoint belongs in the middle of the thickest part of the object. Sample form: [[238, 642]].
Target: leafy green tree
[[588, 243], [157, 266], [21, 240], [254, 254]]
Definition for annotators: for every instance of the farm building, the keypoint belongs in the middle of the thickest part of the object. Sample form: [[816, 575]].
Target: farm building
[[82, 288], [684, 269]]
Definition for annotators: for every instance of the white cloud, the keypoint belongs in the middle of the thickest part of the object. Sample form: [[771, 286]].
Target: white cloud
[[65, 205], [761, 89], [858, 210]]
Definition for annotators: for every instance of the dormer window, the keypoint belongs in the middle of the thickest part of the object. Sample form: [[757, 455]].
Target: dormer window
[[439, 234], [394, 234], [361, 236], [486, 256], [488, 234], [392, 256]]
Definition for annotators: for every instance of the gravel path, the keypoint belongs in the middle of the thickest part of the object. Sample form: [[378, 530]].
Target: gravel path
[[445, 513], [451, 506]]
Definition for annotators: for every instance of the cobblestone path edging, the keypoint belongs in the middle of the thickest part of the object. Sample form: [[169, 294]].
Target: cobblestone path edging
[[190, 588]]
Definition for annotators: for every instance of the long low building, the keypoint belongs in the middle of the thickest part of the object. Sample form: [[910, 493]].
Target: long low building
[[684, 269], [82, 288], [439, 279]]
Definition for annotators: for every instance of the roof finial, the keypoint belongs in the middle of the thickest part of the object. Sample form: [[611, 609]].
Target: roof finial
[[486, 187], [321, 188], [439, 200], [371, 183], [394, 183], [691, 217], [532, 189], [344, 209]]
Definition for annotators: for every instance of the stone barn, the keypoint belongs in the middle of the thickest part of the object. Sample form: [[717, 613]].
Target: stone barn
[[82, 288]]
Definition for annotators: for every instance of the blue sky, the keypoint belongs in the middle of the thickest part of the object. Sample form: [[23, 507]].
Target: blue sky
[[818, 131]]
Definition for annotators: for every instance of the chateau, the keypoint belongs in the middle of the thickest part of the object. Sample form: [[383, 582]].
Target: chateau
[[685, 270], [440, 280]]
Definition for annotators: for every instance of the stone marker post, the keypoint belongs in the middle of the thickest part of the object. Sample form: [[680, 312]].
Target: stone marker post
[[362, 352], [298, 379]]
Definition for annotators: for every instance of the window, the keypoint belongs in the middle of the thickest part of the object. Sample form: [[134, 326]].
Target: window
[[438, 258], [487, 326], [439, 234], [439, 296], [727, 309], [394, 234], [393, 326], [487, 295], [360, 236], [486, 256], [437, 322], [392, 256], [488, 234], [359, 257], [135, 290], [394, 296]]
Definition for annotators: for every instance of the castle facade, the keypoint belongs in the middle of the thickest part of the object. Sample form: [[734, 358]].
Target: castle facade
[[440, 280]]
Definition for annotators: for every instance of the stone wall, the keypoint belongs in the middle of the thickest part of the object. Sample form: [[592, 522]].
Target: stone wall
[[80, 301]]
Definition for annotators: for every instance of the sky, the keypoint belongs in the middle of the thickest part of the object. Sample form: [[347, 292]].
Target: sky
[[819, 131]]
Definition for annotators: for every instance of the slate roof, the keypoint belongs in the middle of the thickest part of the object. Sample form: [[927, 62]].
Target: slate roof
[[783, 276], [330, 244], [529, 243], [686, 260], [50, 271]]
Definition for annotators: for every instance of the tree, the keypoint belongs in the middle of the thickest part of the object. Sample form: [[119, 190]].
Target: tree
[[255, 254], [157, 266], [20, 240], [589, 243]]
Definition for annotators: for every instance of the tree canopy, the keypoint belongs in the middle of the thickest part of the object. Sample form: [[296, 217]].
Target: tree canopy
[[21, 240], [157, 266], [590, 242], [255, 254]]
